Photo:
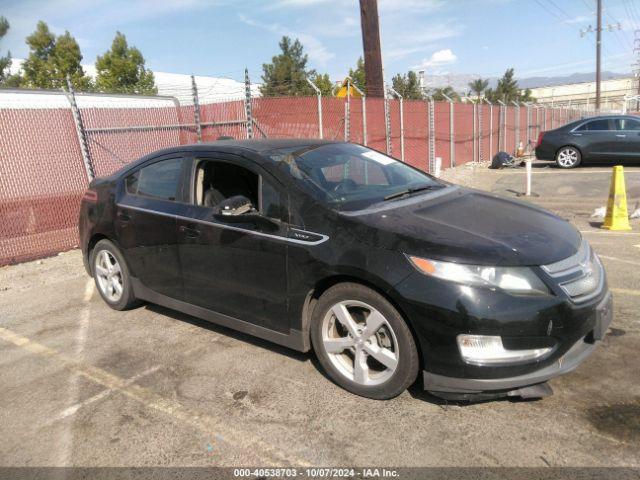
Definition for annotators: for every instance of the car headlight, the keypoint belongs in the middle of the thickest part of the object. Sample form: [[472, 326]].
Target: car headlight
[[517, 280]]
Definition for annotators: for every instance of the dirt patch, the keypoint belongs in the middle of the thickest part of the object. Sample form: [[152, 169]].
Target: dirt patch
[[621, 421]]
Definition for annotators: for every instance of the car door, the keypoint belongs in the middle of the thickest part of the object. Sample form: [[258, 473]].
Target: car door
[[628, 131], [145, 223], [236, 269], [597, 138]]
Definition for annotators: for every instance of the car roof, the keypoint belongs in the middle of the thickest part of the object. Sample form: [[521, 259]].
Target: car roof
[[257, 146]]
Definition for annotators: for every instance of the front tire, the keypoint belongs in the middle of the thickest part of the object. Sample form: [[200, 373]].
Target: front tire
[[111, 276], [363, 343], [568, 157]]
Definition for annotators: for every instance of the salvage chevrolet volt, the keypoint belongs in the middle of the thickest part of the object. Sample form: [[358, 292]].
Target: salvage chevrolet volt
[[386, 273]]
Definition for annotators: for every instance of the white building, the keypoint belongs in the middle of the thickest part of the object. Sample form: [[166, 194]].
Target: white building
[[612, 93], [178, 85]]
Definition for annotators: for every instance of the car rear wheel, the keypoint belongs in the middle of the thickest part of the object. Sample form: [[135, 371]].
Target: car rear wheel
[[363, 343], [568, 157], [111, 275]]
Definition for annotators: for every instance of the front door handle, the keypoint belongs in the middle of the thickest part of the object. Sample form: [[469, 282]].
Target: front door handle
[[620, 135], [124, 217], [189, 232]]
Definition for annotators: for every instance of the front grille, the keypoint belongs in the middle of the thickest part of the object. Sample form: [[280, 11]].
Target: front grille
[[580, 276]]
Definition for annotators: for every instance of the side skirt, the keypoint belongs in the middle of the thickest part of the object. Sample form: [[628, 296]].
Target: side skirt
[[294, 339]]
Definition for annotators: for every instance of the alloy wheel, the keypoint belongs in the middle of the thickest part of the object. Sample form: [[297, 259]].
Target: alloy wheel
[[567, 157], [109, 275], [360, 342]]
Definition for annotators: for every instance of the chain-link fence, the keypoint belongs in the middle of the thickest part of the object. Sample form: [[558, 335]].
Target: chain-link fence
[[52, 143]]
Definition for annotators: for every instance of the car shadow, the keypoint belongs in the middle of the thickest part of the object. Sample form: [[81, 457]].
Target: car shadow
[[214, 327], [416, 390]]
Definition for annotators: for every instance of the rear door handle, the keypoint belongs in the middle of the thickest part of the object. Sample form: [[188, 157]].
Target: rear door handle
[[189, 232], [619, 135]]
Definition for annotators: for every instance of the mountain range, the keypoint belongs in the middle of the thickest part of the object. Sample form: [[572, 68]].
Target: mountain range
[[460, 82]]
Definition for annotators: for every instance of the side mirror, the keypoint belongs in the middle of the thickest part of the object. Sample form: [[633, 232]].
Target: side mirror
[[236, 206], [239, 209]]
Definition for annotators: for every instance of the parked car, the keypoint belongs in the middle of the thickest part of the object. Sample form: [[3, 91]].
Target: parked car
[[597, 139], [381, 269]]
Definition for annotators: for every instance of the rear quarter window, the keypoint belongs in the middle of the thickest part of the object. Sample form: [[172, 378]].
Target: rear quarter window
[[158, 180]]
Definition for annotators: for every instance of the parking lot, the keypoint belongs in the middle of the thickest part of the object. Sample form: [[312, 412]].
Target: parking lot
[[84, 385]]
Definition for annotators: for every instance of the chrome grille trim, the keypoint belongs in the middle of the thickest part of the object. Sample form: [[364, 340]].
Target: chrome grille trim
[[580, 276], [569, 264]]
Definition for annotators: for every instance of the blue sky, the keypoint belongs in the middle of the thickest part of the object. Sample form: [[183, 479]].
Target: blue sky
[[221, 37]]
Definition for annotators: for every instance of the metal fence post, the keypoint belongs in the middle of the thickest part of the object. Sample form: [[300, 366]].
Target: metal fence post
[[387, 121], [474, 144], [401, 122], [490, 129], [479, 109], [196, 108], [431, 128], [502, 126], [364, 112], [516, 125], [347, 113], [528, 137], [247, 103], [82, 136], [452, 133], [319, 95]]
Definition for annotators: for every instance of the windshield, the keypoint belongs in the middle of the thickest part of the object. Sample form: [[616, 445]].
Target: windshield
[[345, 176]]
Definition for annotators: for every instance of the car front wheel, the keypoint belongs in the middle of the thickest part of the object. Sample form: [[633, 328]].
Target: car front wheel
[[112, 276], [363, 343], [568, 157]]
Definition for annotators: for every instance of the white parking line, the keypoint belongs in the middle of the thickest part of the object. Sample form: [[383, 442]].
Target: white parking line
[[628, 262], [606, 232], [67, 412], [233, 434]]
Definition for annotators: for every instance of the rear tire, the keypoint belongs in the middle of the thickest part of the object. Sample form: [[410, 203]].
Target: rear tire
[[111, 275], [363, 343], [568, 157]]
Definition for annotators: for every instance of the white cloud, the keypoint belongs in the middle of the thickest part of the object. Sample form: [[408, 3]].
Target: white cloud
[[408, 43], [578, 19], [438, 59], [316, 50]]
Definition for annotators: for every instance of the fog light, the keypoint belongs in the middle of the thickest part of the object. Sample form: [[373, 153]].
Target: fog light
[[488, 350]]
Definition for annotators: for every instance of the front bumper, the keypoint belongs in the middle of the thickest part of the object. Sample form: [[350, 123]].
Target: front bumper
[[569, 361]]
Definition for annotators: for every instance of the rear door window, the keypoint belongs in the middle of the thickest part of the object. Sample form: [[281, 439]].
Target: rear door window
[[602, 124], [627, 124], [158, 180]]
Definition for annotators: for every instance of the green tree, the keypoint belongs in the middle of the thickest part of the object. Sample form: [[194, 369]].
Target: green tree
[[357, 75], [5, 61], [438, 94], [478, 86], [323, 82], [52, 59], [507, 90], [287, 73], [121, 70], [408, 86]]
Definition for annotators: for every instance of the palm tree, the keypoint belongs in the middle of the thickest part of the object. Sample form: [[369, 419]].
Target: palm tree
[[478, 86], [440, 94]]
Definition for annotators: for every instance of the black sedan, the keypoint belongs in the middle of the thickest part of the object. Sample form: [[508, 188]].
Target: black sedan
[[381, 269], [597, 139]]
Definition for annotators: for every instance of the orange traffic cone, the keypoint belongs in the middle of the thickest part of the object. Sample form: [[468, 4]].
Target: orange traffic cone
[[617, 217]]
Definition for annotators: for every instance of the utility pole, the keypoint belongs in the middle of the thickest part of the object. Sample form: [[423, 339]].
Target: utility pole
[[636, 66], [371, 46], [598, 54], [598, 31]]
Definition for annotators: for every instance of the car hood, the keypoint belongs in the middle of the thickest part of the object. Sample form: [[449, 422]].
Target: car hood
[[467, 226]]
